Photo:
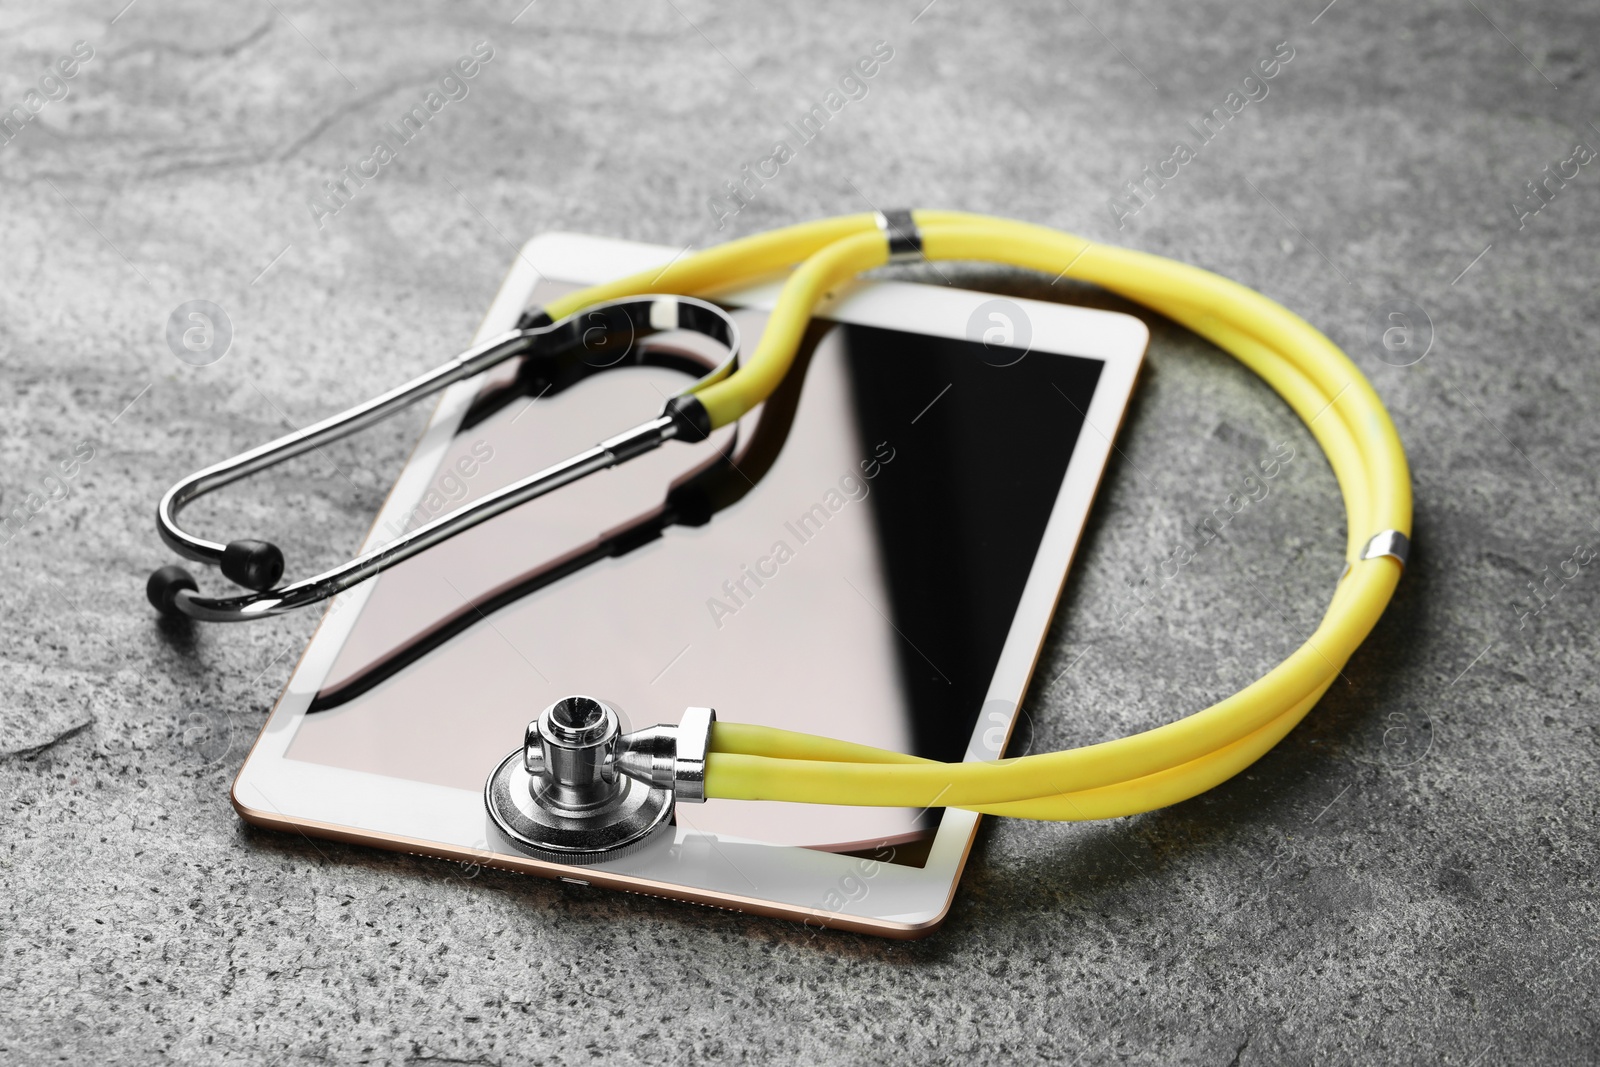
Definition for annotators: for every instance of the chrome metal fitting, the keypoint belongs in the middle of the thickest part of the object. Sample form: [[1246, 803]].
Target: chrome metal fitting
[[905, 240], [1391, 543], [1388, 543], [580, 791], [567, 754], [670, 757]]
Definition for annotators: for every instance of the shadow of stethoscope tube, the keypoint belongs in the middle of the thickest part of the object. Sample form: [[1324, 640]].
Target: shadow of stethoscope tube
[[692, 499]]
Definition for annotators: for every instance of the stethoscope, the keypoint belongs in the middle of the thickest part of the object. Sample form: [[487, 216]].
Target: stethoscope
[[579, 790]]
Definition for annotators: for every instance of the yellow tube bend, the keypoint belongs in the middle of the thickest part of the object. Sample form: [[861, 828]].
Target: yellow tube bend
[[1132, 774]]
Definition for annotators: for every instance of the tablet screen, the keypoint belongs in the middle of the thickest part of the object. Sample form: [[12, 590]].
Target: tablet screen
[[847, 563]]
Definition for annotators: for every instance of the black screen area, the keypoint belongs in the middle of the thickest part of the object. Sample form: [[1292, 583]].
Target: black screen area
[[980, 454]]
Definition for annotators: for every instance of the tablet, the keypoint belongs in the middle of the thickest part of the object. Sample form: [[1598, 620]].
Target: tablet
[[874, 554]]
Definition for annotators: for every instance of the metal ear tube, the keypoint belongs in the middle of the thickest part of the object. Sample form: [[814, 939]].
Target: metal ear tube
[[579, 790], [574, 341]]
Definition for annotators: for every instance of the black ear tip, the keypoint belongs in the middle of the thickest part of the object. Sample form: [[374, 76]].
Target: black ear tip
[[164, 585], [252, 564]]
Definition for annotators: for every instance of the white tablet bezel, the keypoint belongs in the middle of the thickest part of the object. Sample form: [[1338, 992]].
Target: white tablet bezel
[[817, 887]]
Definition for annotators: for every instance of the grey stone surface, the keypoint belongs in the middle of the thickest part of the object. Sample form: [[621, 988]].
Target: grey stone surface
[[1409, 877]]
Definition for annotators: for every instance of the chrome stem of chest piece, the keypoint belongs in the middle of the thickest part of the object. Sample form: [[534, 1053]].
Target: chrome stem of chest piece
[[579, 790]]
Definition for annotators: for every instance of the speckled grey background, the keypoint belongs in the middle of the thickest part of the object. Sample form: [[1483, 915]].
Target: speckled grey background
[[1410, 877]]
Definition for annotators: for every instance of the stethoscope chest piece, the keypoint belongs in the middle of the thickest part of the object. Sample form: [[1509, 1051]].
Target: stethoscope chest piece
[[581, 791]]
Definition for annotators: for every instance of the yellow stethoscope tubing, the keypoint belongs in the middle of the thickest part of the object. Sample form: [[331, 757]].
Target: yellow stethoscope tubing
[[1106, 802], [1131, 774]]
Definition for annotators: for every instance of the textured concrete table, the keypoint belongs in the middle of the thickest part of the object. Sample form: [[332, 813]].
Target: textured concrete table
[[1410, 876]]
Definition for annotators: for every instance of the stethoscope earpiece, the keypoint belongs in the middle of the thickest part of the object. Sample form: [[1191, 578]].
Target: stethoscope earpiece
[[252, 564], [164, 586]]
